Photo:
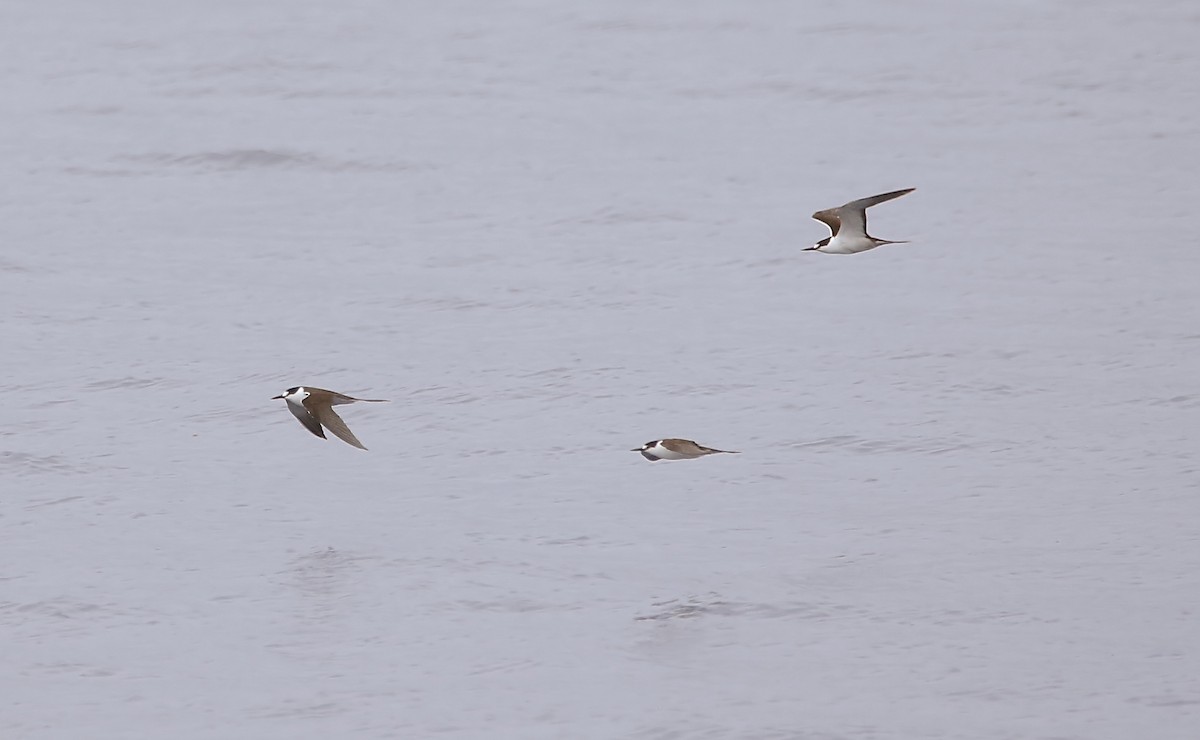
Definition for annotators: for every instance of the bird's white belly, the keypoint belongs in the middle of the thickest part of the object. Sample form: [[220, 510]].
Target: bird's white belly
[[662, 453], [848, 245]]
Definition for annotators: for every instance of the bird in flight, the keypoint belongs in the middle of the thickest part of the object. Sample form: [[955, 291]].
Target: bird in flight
[[848, 226], [314, 408], [676, 449]]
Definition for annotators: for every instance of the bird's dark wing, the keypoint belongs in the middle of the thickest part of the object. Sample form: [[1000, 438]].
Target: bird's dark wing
[[338, 399], [310, 423], [830, 218], [863, 204], [853, 216], [334, 423]]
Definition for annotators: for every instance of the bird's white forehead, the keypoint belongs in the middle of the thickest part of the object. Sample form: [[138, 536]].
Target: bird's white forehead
[[299, 393]]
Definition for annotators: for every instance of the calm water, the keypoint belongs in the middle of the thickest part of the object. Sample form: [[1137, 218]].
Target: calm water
[[967, 501]]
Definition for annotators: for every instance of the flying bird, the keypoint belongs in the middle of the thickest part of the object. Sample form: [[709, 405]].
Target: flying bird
[[848, 226], [314, 408], [676, 449]]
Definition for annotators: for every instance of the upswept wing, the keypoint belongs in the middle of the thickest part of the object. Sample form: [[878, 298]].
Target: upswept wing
[[863, 204], [853, 216]]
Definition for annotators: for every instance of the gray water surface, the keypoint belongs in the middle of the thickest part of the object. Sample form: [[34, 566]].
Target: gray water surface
[[966, 504]]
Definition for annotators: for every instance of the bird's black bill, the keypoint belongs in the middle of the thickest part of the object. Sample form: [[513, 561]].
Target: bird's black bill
[[276, 398]]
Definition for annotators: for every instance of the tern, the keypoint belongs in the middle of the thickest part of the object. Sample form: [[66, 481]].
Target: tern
[[848, 226], [314, 408], [676, 449]]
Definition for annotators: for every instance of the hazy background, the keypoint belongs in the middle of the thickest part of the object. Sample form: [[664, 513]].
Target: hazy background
[[967, 501]]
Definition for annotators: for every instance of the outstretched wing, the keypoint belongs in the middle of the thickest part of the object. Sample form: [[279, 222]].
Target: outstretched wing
[[853, 215], [334, 423], [690, 448], [863, 204], [339, 399], [307, 419]]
